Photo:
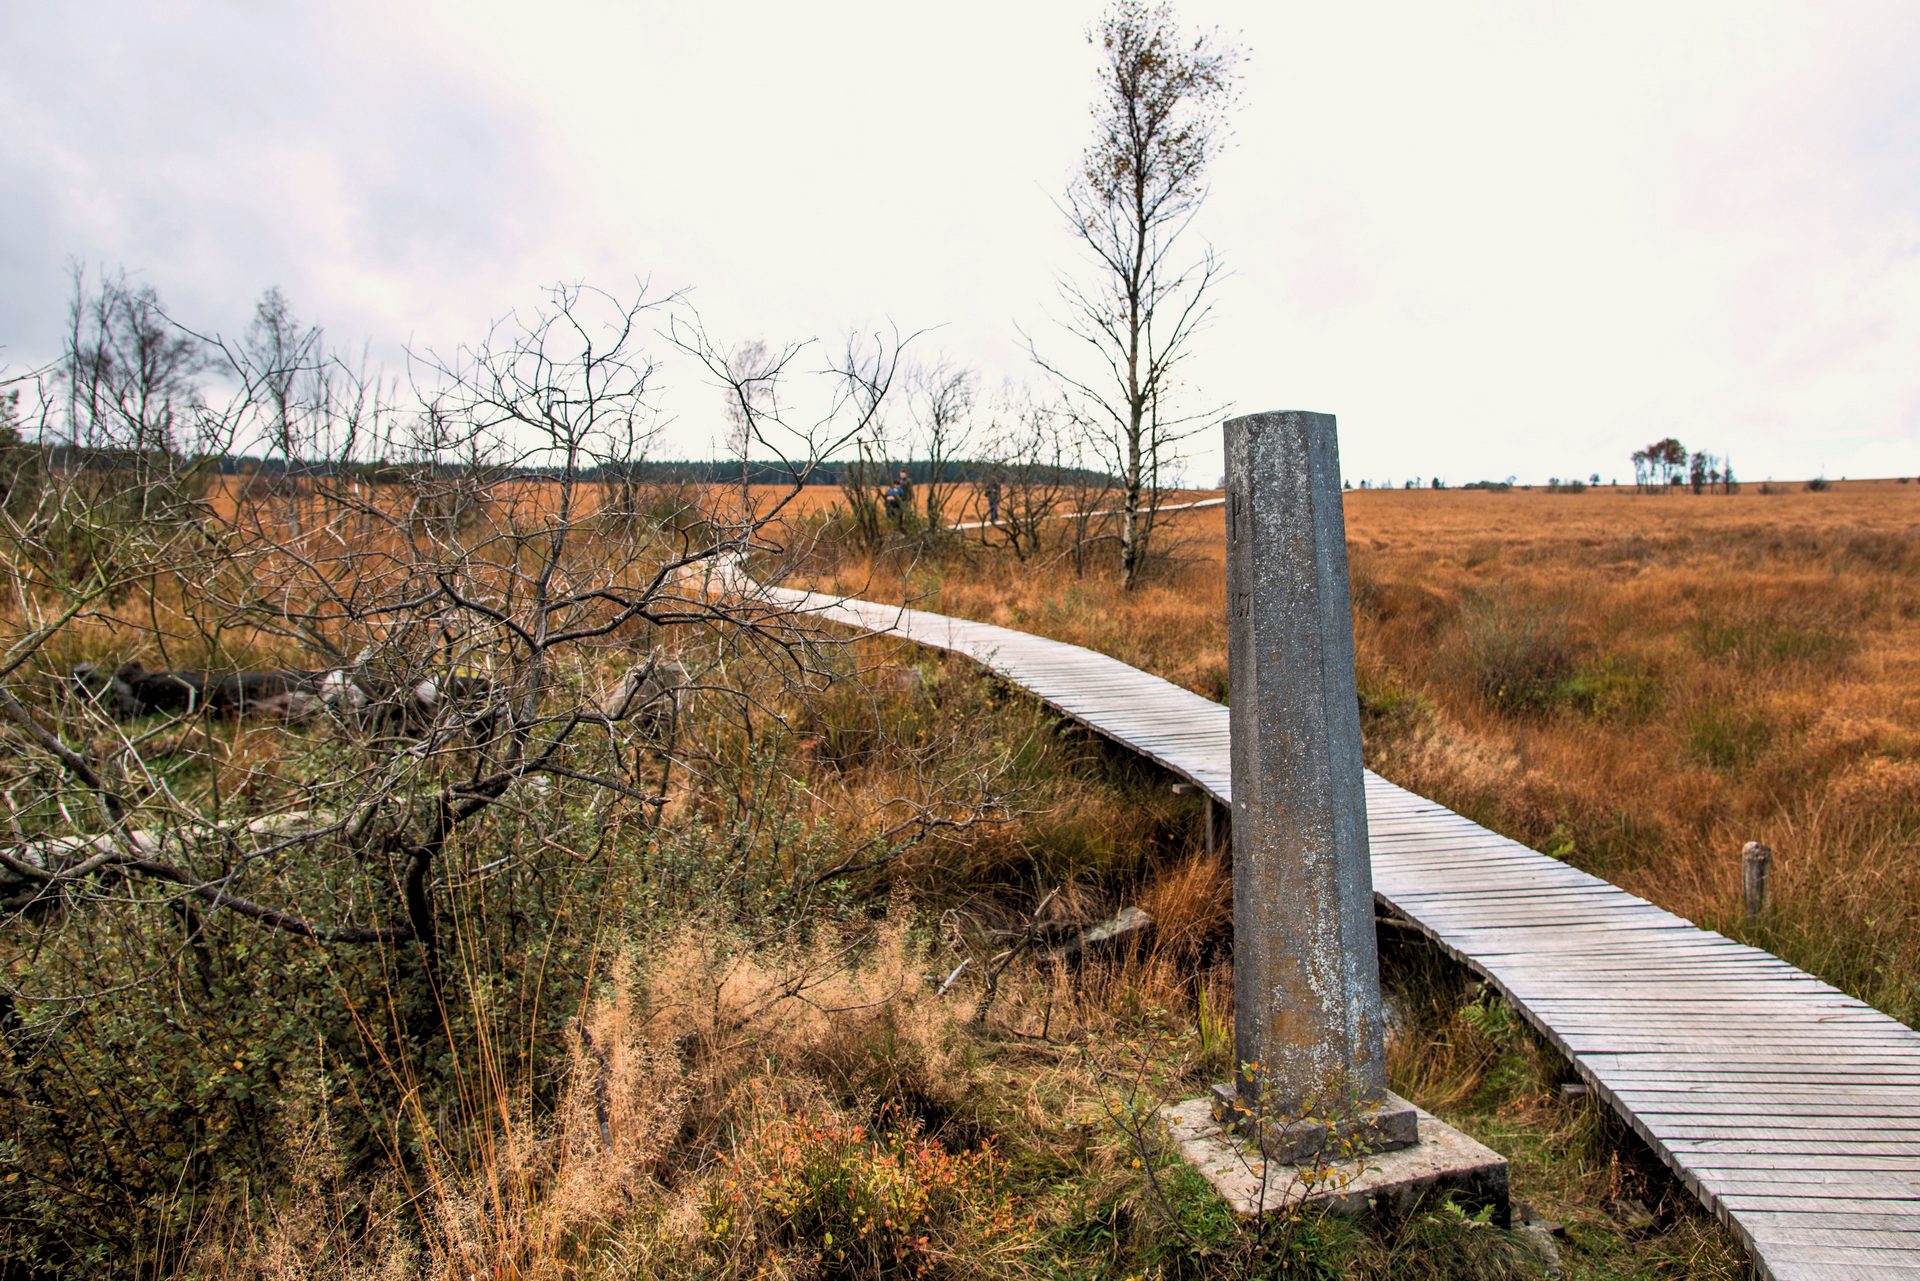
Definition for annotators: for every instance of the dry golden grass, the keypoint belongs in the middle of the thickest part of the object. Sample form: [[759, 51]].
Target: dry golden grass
[[736, 1093], [741, 1108], [1636, 683], [718, 1083]]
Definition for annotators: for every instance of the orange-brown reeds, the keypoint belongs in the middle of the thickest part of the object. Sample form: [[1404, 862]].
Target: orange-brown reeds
[[1637, 683]]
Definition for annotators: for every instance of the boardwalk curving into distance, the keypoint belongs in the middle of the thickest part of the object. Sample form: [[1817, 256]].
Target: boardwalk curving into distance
[[1791, 1109], [1164, 507]]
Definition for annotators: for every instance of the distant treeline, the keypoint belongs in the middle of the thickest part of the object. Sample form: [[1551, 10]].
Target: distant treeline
[[831, 472]]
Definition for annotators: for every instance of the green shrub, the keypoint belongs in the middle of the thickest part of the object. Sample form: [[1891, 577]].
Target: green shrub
[[1388, 707], [1445, 1243], [1755, 637], [1616, 689], [162, 1096], [850, 1203], [1727, 737], [1514, 656]]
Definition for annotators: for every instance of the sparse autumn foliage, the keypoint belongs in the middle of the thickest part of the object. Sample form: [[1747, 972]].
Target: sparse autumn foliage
[[1160, 116]]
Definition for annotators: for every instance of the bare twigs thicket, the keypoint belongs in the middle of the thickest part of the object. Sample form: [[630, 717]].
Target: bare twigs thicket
[[509, 680], [471, 585], [1160, 117], [1031, 464], [941, 400], [1055, 494]]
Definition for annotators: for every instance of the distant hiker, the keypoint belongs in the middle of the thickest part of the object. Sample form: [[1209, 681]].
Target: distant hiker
[[992, 494], [891, 497], [906, 493]]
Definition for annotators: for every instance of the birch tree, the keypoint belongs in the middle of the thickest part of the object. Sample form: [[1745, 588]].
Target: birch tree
[[1160, 117]]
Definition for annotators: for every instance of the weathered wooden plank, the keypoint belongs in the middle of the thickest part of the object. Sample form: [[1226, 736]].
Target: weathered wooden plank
[[1734, 1162], [1903, 1211], [1602, 1061], [1700, 1012], [1663, 938], [1486, 909], [1739, 1076], [1824, 1266], [1715, 1093], [1879, 1185], [1674, 1131], [1710, 1147], [1815, 1226], [1856, 1111], [1754, 1119], [1661, 976], [1726, 1026], [1583, 1042]]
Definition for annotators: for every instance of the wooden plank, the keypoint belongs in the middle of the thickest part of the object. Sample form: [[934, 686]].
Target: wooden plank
[[1672, 1132], [1710, 1094], [1707, 1148], [1698, 1022], [1817, 1224], [1732, 1162], [1904, 1211], [1858, 1111], [1583, 1042], [1698, 1010], [1880, 1185], [1826, 1266], [1759, 1121], [1757, 1078], [1865, 1238], [1663, 1060]]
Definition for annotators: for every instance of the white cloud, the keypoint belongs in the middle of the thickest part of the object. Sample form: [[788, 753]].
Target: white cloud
[[1507, 239]]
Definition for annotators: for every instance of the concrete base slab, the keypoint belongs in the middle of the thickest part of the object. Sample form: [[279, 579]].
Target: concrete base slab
[[1382, 1127], [1443, 1161]]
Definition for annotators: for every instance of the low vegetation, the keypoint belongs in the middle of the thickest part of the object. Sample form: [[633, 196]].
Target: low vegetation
[[727, 1040], [1639, 684], [560, 904]]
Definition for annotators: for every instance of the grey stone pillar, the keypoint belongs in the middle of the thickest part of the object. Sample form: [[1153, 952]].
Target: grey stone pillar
[[1306, 973]]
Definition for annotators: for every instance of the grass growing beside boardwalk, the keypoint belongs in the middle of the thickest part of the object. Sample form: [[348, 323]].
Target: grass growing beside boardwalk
[[1639, 684], [807, 1021], [757, 1085]]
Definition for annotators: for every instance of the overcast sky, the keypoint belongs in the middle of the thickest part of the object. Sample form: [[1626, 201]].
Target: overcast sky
[[1492, 238]]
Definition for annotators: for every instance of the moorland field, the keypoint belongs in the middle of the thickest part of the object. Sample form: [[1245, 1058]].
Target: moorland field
[[782, 985], [1636, 683]]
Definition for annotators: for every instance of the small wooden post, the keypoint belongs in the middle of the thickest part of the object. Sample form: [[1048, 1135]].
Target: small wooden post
[[1214, 824], [1756, 864]]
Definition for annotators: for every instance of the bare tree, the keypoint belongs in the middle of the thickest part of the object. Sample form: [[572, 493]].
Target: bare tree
[[478, 754], [289, 360], [470, 598], [1056, 495], [131, 378], [940, 398], [864, 473], [1160, 117], [752, 377], [841, 424], [1029, 451]]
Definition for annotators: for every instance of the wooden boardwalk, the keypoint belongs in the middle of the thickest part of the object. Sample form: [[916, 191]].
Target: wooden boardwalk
[[1164, 507], [1791, 1109]]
